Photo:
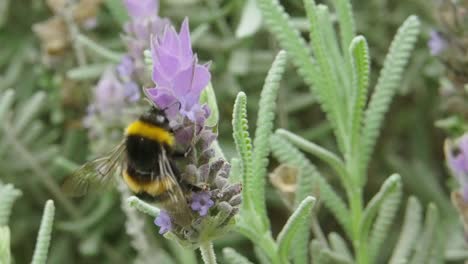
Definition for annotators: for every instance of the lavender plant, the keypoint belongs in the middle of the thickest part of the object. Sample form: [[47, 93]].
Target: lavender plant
[[8, 194]]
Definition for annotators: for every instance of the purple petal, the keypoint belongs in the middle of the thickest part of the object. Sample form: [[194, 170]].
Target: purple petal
[[163, 220], [185, 42], [201, 78], [437, 43], [163, 97]]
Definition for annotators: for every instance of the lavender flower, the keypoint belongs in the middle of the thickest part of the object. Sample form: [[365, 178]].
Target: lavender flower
[[138, 9], [458, 163], [201, 203], [437, 43], [144, 23], [178, 77], [164, 222]]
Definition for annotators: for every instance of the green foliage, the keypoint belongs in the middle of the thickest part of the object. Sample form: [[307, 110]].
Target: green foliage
[[265, 119], [8, 195], [5, 255], [389, 187], [288, 154], [233, 257], [323, 255], [387, 84], [427, 238], [45, 233], [384, 221], [299, 218], [243, 143]]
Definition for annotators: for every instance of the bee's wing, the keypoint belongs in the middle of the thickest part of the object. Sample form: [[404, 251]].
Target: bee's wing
[[176, 204], [99, 171]]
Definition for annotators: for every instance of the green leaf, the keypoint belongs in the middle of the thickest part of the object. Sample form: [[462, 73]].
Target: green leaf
[[345, 18], [118, 10], [279, 23], [250, 21], [236, 170], [322, 255], [232, 257], [5, 255], [286, 153], [143, 207], [409, 233], [266, 117], [383, 222], [334, 53], [338, 245], [323, 154], [299, 218], [31, 109], [6, 101], [8, 195], [243, 143], [208, 96], [424, 245], [43, 239], [328, 79], [387, 84], [388, 187], [361, 67]]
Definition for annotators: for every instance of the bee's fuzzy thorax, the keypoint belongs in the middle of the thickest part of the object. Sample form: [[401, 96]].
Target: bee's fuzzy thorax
[[150, 131]]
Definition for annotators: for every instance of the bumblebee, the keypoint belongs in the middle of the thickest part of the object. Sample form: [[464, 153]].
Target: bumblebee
[[146, 160]]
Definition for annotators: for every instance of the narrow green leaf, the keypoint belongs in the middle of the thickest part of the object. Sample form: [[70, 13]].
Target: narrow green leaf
[[286, 153], [5, 255], [338, 245], [266, 117], [409, 233], [8, 195], [423, 246], [87, 72], [45, 233], [328, 77], [232, 257], [345, 18], [361, 69], [29, 110], [323, 154], [98, 49], [387, 84], [383, 222], [250, 21], [388, 187], [236, 170], [334, 53], [143, 206], [299, 218], [6, 101], [323, 255], [243, 143], [279, 23]]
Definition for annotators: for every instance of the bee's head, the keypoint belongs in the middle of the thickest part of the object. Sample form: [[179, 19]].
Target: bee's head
[[155, 116]]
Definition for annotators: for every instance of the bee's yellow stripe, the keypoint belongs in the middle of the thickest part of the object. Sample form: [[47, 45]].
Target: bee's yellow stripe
[[153, 188], [140, 128]]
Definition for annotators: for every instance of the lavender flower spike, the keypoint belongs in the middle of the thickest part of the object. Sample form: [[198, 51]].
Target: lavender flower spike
[[178, 77], [459, 163], [164, 222], [142, 8]]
